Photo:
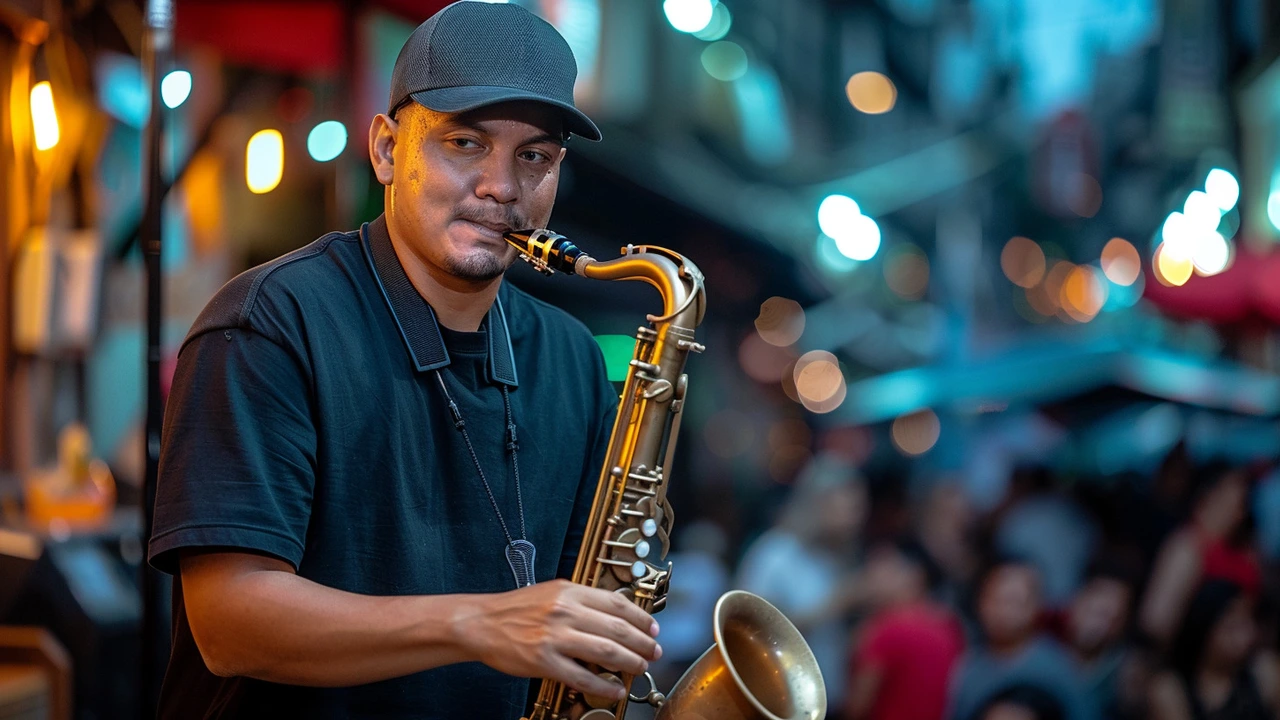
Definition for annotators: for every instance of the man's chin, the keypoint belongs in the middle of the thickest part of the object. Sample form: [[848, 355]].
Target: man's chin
[[480, 266]]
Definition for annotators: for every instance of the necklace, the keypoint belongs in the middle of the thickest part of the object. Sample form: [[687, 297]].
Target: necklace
[[520, 553]]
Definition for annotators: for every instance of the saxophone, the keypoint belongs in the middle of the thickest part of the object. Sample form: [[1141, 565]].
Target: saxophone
[[759, 666]]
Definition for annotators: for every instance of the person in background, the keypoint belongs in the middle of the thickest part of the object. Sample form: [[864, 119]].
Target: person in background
[[1093, 630], [905, 652], [1213, 544], [1216, 672], [1050, 529], [1021, 702], [805, 564], [1013, 651], [945, 526]]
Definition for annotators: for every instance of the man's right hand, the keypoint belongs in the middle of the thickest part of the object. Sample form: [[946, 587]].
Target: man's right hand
[[539, 631]]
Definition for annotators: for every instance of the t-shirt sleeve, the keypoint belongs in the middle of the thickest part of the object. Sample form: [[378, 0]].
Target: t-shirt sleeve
[[238, 452]]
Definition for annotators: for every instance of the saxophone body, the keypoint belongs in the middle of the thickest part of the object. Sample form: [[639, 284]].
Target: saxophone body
[[759, 667]]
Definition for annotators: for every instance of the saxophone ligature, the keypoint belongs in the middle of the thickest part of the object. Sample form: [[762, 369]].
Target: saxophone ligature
[[759, 665]]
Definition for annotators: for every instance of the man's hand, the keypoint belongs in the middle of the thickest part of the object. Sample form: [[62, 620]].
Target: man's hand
[[539, 631]]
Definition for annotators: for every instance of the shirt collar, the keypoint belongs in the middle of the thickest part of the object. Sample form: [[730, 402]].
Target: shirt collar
[[416, 319]]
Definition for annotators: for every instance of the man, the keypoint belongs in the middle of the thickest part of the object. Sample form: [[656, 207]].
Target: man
[[907, 649], [1013, 651], [373, 442]]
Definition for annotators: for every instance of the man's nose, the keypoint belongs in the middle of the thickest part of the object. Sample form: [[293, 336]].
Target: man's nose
[[498, 181]]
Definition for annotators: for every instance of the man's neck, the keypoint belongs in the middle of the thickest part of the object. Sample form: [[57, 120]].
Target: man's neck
[[459, 304]]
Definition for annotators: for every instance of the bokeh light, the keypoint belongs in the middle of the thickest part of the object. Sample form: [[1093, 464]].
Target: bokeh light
[[1223, 187], [724, 60], [1022, 261], [1202, 211], [780, 322], [857, 236], [916, 433], [862, 240], [44, 118], [718, 27], [1084, 293], [1273, 209], [871, 92], [819, 381], [327, 140], [1121, 261], [1171, 269], [830, 258], [264, 161], [1212, 253], [175, 88], [835, 213], [688, 16], [906, 272], [1178, 235]]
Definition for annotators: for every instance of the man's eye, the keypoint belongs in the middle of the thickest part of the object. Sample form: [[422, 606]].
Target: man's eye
[[465, 143], [534, 156]]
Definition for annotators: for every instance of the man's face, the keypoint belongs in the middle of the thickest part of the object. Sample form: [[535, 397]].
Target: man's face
[[459, 181], [1009, 604], [1098, 614]]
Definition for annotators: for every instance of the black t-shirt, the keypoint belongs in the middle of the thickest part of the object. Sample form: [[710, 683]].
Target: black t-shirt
[[306, 422]]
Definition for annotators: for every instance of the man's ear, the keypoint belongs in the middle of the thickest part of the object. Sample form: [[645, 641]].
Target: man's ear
[[382, 145]]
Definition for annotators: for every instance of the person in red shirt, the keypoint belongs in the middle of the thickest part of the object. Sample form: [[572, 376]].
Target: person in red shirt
[[904, 652]]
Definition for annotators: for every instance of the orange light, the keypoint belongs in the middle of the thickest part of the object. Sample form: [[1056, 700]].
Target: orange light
[[1121, 262], [871, 92], [1171, 270], [1022, 261], [907, 273], [1083, 294]]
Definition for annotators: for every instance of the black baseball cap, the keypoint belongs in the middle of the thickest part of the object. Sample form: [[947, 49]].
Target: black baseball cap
[[473, 54]]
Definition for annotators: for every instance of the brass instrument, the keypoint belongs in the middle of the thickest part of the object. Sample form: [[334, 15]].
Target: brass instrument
[[759, 666]]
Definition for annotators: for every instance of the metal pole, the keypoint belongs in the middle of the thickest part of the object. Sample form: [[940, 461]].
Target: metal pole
[[157, 50]]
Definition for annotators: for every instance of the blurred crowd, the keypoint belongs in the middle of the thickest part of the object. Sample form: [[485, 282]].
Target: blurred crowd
[[1134, 597]]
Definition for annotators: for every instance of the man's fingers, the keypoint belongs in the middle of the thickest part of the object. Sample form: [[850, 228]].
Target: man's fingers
[[575, 676], [618, 630], [615, 604], [601, 651]]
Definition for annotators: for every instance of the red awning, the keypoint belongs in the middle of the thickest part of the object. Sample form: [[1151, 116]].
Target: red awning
[[298, 37]]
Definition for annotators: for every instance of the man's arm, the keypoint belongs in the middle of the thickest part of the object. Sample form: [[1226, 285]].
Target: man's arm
[[253, 616]]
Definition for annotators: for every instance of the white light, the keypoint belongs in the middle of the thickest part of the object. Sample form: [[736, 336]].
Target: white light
[[175, 88], [1211, 253], [1273, 208], [264, 161], [688, 16], [1202, 211], [719, 25], [44, 118], [862, 239], [1178, 234], [836, 215], [327, 140], [1223, 187]]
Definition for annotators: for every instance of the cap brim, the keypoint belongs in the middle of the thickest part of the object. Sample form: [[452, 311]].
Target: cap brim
[[462, 99]]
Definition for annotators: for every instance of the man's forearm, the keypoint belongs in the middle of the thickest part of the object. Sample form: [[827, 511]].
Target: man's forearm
[[282, 628]]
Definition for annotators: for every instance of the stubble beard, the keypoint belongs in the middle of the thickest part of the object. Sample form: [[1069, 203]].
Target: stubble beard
[[479, 266]]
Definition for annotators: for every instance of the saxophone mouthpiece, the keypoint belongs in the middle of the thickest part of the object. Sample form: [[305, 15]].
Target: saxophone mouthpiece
[[546, 251]]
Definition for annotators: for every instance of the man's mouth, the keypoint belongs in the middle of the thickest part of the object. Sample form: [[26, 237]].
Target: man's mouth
[[497, 228]]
